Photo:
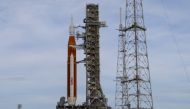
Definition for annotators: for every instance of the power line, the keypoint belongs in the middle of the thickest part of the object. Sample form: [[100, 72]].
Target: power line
[[175, 41]]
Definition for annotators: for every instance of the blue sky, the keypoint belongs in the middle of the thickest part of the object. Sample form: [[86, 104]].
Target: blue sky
[[33, 50]]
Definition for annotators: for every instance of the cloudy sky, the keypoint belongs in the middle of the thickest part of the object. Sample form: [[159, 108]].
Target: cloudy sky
[[33, 50]]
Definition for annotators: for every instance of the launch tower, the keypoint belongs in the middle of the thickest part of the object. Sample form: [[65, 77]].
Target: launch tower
[[133, 85], [95, 98], [94, 93]]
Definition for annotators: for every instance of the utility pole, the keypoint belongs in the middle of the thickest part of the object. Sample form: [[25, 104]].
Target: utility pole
[[133, 85]]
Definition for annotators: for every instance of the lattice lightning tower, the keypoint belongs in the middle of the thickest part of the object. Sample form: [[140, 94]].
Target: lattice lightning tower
[[133, 86]]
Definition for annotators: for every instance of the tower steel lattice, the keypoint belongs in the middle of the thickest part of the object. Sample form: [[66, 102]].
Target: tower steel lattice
[[121, 89], [133, 85], [94, 93]]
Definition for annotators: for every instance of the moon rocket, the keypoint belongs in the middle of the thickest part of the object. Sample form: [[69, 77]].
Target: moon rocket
[[71, 68]]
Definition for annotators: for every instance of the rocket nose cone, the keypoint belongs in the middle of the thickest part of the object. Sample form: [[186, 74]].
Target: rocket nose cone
[[71, 40], [72, 27]]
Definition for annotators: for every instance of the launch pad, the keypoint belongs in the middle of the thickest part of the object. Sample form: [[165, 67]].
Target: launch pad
[[82, 107], [133, 86], [95, 98]]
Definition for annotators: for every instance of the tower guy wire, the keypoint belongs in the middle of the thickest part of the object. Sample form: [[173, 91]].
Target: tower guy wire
[[172, 36]]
